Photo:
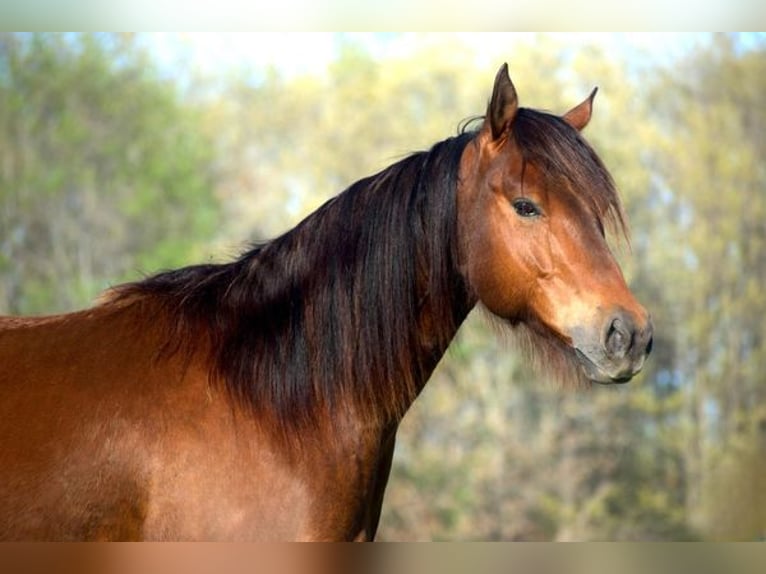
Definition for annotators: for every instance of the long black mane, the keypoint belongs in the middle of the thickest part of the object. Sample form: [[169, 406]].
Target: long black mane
[[328, 312]]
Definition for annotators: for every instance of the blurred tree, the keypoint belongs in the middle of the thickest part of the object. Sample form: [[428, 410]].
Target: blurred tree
[[104, 172], [713, 180]]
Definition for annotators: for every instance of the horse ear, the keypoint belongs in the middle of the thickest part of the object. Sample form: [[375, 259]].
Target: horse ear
[[503, 105], [579, 116]]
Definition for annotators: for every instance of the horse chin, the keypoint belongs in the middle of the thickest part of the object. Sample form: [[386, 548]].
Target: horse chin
[[596, 374]]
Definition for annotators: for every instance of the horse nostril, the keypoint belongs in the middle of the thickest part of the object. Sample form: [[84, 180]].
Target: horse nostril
[[619, 338], [649, 345]]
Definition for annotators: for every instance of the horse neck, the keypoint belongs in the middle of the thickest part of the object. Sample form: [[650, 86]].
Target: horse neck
[[362, 313]]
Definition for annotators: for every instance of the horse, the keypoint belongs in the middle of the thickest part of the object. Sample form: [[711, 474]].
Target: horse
[[259, 399]]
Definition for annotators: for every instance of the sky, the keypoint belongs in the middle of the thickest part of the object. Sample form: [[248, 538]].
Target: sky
[[299, 53]]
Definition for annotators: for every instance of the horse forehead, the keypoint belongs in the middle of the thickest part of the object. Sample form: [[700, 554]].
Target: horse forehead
[[508, 169], [558, 189], [498, 164], [512, 171]]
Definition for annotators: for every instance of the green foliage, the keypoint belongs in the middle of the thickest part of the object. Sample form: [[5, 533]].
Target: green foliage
[[104, 171]]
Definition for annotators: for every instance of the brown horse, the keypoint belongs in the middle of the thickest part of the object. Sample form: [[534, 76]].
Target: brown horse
[[260, 399]]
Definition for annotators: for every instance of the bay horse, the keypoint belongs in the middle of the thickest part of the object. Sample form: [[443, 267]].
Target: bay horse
[[259, 399]]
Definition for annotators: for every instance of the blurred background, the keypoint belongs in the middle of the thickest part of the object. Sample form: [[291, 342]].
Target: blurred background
[[123, 154]]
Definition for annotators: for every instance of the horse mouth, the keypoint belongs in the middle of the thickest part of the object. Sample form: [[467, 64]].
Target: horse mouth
[[596, 374]]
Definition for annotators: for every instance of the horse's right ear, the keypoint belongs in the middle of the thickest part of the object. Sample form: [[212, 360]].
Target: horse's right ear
[[503, 105]]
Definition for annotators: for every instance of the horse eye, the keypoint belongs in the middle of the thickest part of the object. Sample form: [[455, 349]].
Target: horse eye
[[526, 208]]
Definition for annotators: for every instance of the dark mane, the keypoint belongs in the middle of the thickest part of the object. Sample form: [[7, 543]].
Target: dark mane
[[342, 279]]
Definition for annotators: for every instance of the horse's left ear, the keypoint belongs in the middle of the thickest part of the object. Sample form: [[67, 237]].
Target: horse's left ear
[[503, 105], [579, 116]]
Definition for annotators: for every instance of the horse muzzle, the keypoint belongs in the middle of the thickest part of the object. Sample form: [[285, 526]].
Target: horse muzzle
[[615, 352]]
